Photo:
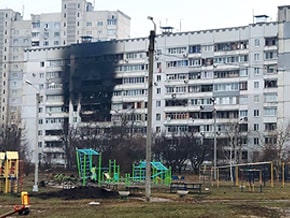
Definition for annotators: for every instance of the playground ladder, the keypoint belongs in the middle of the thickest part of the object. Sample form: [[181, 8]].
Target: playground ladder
[[85, 165]]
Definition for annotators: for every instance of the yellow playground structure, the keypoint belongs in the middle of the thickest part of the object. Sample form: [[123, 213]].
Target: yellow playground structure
[[9, 171]]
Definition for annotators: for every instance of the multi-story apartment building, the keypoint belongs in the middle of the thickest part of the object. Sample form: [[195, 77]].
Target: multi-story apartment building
[[77, 22], [203, 80]]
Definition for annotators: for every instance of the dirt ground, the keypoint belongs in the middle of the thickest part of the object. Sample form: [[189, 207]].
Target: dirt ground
[[78, 193]]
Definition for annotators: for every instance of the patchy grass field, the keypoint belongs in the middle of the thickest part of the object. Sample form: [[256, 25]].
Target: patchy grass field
[[216, 202]]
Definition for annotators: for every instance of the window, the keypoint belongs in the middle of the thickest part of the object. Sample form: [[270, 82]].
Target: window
[[42, 64], [257, 71], [56, 34], [243, 72], [271, 140], [158, 116], [133, 80], [270, 126], [226, 87], [243, 99], [135, 92], [100, 23], [194, 49], [271, 97], [112, 21], [256, 113], [158, 103], [244, 58], [243, 113], [256, 141], [271, 83], [271, 41], [56, 25], [179, 63], [256, 127], [244, 85], [230, 46], [271, 68], [158, 129], [158, 78], [159, 67], [256, 84], [177, 50], [256, 57], [270, 111], [158, 90], [257, 42], [270, 55], [35, 25], [256, 98], [89, 23], [195, 62]]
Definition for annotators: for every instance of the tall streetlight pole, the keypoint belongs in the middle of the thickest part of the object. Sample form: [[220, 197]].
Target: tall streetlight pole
[[35, 186], [149, 112], [214, 140]]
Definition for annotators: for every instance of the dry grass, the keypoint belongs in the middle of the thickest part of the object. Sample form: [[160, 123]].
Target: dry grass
[[216, 202]]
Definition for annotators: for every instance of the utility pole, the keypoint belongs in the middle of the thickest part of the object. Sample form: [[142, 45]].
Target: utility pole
[[149, 112], [214, 140], [36, 151]]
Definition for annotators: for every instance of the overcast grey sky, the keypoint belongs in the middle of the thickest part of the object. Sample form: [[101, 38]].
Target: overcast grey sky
[[187, 15]]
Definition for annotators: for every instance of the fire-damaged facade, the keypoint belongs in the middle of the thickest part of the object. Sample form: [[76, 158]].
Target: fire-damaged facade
[[238, 74]]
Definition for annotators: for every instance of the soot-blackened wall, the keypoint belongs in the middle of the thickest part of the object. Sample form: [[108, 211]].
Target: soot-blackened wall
[[89, 79]]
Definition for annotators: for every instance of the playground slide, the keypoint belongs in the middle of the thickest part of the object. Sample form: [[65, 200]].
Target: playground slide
[[157, 175]]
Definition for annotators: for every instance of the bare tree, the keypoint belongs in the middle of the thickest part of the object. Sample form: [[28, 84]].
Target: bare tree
[[69, 139], [115, 142], [11, 140], [176, 150], [232, 141], [10, 137], [277, 144], [199, 153]]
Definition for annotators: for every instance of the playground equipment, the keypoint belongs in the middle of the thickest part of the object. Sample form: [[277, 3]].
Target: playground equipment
[[22, 209], [85, 163], [251, 175], [251, 172], [86, 167], [112, 173], [241, 174], [9, 171], [159, 173]]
